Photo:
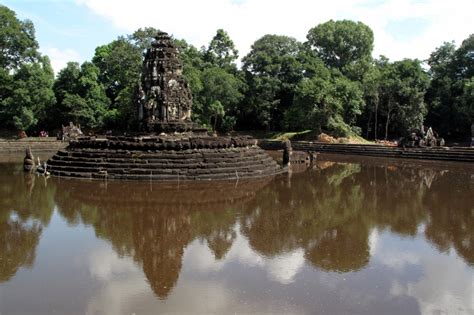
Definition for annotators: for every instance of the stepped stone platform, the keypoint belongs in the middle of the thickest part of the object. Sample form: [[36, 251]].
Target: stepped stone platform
[[164, 158], [428, 153]]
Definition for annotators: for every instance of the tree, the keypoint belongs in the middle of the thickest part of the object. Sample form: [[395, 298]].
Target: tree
[[222, 87], [221, 51], [32, 95], [273, 69], [449, 93], [403, 87], [26, 77], [441, 106], [17, 40], [325, 100], [371, 87], [81, 98], [142, 38], [193, 64], [119, 63], [341, 44], [217, 111]]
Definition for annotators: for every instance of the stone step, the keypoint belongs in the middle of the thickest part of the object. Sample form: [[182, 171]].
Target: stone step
[[408, 154], [222, 174], [157, 159], [161, 155], [151, 166]]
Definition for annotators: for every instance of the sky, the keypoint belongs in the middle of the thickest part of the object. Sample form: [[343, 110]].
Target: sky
[[70, 30]]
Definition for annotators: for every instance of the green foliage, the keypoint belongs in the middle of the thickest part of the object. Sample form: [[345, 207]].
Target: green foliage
[[217, 111], [450, 92], [218, 87], [221, 51], [17, 40], [341, 44], [325, 101], [32, 96], [81, 97], [403, 86], [273, 69], [329, 83], [26, 78], [142, 38], [119, 63]]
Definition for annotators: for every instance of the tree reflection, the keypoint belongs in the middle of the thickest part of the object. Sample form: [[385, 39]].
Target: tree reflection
[[26, 207], [329, 213], [451, 215], [321, 213]]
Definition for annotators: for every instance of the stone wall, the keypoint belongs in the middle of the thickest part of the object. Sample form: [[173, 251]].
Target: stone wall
[[428, 153], [36, 145], [169, 158]]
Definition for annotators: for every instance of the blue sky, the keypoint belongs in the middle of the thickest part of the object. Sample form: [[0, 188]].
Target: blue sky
[[72, 29]]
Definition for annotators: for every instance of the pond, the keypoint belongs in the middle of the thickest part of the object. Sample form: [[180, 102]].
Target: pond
[[350, 236]]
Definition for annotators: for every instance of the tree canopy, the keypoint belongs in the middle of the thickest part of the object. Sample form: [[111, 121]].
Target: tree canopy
[[330, 83]]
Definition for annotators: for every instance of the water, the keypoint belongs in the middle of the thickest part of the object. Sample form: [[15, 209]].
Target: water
[[352, 236]]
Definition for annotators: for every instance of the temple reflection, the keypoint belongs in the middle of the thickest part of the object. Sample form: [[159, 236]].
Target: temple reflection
[[154, 222]]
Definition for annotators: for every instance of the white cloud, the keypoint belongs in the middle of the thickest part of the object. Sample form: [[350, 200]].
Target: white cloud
[[248, 20], [282, 268], [60, 57], [285, 267], [446, 283], [104, 264], [446, 287], [122, 289]]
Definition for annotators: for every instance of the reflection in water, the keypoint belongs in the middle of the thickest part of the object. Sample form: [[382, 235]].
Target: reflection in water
[[26, 206], [153, 222], [331, 219]]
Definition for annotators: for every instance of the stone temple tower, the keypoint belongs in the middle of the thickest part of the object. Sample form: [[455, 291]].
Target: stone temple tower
[[164, 98], [169, 146]]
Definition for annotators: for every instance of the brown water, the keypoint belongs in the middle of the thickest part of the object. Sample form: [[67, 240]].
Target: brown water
[[352, 236]]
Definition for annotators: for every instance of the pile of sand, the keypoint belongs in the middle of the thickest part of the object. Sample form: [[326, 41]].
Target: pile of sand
[[326, 138]]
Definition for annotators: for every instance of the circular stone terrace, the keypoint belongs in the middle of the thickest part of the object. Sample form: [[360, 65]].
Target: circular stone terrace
[[165, 158]]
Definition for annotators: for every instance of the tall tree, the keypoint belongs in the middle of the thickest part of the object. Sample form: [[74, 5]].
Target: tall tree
[[81, 97], [404, 84], [32, 97], [273, 69], [143, 37], [449, 93], [221, 94], [341, 44], [221, 51], [17, 40], [26, 77], [119, 63], [325, 101]]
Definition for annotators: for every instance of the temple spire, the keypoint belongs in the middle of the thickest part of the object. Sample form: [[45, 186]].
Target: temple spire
[[164, 97]]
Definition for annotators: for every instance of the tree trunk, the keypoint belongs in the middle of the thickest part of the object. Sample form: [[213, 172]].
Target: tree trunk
[[376, 120], [368, 126], [386, 125]]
